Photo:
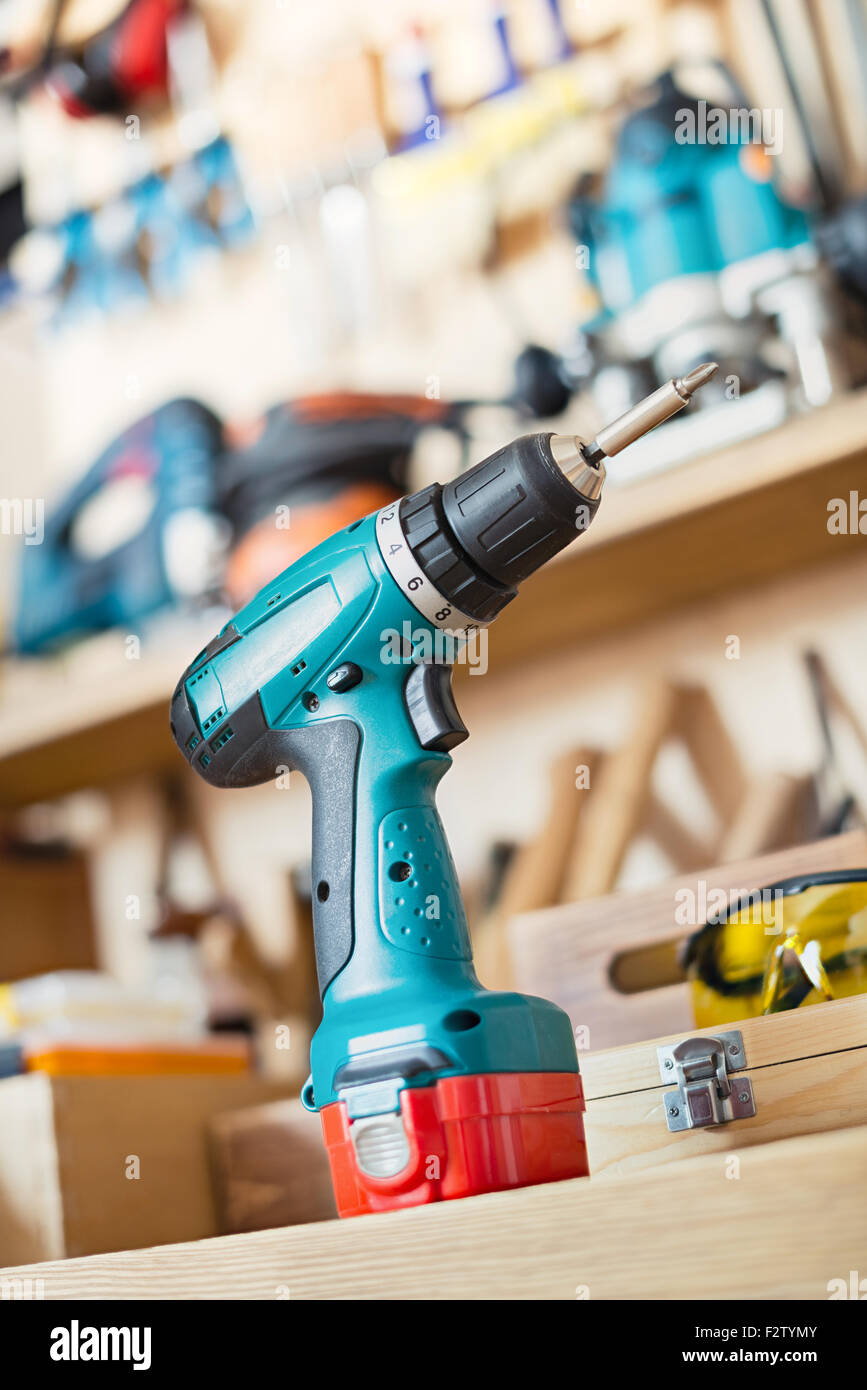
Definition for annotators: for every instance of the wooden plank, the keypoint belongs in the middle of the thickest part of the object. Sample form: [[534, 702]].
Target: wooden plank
[[834, 1026], [678, 841], [602, 1239], [839, 32], [776, 810], [100, 741], [628, 1133], [46, 922], [162, 1120], [567, 953], [760, 68], [794, 21], [619, 797], [31, 1212], [126, 864], [712, 749], [270, 1168], [534, 879]]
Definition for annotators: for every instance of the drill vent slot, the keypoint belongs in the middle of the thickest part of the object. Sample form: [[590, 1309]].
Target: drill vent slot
[[297, 669], [200, 675], [275, 598], [204, 759], [193, 742], [209, 723], [222, 738]]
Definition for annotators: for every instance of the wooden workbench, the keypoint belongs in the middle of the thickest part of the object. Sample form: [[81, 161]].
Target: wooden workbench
[[777, 1221]]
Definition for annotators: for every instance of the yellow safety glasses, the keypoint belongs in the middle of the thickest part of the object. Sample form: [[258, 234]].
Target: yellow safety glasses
[[793, 943]]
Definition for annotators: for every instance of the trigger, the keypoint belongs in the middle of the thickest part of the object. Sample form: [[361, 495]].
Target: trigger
[[432, 708]]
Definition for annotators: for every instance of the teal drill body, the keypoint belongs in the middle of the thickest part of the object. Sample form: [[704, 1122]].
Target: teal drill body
[[430, 1087], [401, 1003]]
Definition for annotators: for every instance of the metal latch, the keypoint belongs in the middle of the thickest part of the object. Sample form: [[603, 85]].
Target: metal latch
[[706, 1093]]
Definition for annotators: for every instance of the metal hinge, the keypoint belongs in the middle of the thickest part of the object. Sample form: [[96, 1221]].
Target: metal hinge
[[706, 1093]]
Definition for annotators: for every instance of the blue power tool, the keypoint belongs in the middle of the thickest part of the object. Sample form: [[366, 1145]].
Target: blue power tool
[[429, 1085], [686, 232], [169, 458]]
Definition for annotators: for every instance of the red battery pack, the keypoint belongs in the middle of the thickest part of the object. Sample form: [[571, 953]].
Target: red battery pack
[[464, 1135]]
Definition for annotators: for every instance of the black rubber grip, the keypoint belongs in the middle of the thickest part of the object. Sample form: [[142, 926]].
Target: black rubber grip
[[245, 752], [326, 754], [514, 510]]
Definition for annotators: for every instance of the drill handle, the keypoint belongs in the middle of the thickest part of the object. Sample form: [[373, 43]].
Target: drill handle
[[384, 887]]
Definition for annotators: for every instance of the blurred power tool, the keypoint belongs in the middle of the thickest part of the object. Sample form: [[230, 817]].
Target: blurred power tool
[[122, 64], [138, 532], [674, 216], [152, 236], [97, 57], [310, 466], [693, 254], [842, 238], [429, 1086]]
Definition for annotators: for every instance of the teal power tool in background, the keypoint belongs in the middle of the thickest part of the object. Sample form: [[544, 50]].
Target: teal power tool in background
[[429, 1085], [685, 239]]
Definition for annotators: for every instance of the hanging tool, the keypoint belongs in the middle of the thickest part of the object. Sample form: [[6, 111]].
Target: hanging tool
[[119, 66], [164, 468]]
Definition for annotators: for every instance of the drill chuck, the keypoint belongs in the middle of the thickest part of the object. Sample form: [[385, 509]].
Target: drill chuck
[[478, 537], [475, 540]]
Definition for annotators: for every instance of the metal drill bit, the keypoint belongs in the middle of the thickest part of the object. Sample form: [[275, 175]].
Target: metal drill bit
[[644, 416]]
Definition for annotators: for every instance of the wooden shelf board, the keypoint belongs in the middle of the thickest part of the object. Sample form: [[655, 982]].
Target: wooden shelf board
[[726, 521], [82, 731]]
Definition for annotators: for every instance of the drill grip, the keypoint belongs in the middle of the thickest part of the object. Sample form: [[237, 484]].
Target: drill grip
[[383, 880], [326, 754], [410, 900]]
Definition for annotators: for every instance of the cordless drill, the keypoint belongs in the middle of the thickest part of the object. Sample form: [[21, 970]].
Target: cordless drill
[[429, 1086]]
